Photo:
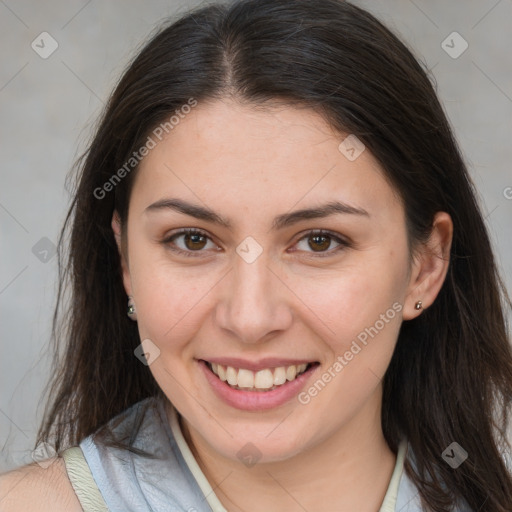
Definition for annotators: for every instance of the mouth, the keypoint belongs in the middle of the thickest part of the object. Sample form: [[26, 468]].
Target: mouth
[[261, 381]]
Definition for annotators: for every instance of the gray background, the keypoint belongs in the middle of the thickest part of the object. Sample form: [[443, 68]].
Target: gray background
[[48, 106]]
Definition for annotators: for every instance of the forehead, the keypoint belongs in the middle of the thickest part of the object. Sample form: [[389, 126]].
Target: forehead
[[231, 155]]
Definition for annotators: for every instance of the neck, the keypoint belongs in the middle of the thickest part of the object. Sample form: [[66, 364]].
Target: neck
[[349, 470]]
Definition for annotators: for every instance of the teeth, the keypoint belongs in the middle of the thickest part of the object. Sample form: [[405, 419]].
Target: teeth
[[291, 372], [245, 378], [263, 379], [279, 375], [232, 376], [221, 372]]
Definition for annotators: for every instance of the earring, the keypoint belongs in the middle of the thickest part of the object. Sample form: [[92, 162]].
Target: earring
[[131, 309], [418, 305]]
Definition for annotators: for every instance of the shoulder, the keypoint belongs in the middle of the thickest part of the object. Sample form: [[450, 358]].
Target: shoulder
[[35, 487], [47, 488]]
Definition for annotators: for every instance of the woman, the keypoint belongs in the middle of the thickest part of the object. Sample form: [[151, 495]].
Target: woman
[[315, 320]]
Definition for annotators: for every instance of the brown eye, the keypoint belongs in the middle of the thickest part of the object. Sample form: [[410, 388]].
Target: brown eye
[[323, 243], [195, 241], [189, 242], [319, 242]]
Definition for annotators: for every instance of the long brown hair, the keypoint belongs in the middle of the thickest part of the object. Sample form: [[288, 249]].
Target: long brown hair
[[450, 378]]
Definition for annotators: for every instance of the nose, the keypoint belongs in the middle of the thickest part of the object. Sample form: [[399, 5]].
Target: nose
[[254, 304]]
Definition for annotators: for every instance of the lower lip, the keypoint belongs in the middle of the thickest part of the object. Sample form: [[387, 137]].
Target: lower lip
[[256, 400]]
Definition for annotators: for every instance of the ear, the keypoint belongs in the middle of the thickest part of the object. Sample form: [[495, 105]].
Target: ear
[[121, 247], [430, 266]]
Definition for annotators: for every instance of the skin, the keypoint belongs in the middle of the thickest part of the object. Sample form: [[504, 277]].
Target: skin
[[34, 487], [250, 165]]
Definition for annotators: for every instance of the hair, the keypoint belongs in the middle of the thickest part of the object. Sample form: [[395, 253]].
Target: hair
[[450, 377]]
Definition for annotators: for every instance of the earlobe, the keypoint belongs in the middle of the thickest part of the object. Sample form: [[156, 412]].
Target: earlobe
[[430, 267], [117, 230]]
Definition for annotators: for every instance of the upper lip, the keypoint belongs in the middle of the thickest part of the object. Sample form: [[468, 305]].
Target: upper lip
[[261, 364]]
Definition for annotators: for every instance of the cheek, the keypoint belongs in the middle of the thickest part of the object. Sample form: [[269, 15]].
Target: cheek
[[170, 300], [363, 315], [344, 303]]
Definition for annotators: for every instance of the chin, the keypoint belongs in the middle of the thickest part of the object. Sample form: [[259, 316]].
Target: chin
[[256, 443]]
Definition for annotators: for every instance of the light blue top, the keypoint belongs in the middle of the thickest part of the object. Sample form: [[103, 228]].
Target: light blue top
[[174, 482]]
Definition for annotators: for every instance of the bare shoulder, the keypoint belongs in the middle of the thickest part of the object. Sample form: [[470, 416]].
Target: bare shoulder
[[34, 487]]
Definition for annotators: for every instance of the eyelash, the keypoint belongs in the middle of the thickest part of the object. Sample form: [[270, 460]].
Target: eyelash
[[343, 244]]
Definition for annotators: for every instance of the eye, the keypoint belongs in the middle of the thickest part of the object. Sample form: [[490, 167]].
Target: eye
[[320, 241], [193, 242], [189, 241]]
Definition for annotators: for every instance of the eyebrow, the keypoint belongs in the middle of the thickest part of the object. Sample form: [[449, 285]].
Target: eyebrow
[[280, 222]]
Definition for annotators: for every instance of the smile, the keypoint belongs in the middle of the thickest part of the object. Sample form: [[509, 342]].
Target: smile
[[267, 379], [267, 384]]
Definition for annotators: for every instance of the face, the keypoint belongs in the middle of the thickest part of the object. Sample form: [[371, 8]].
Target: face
[[258, 250]]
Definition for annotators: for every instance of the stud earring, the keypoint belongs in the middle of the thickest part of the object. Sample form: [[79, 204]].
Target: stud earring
[[131, 309], [418, 305]]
